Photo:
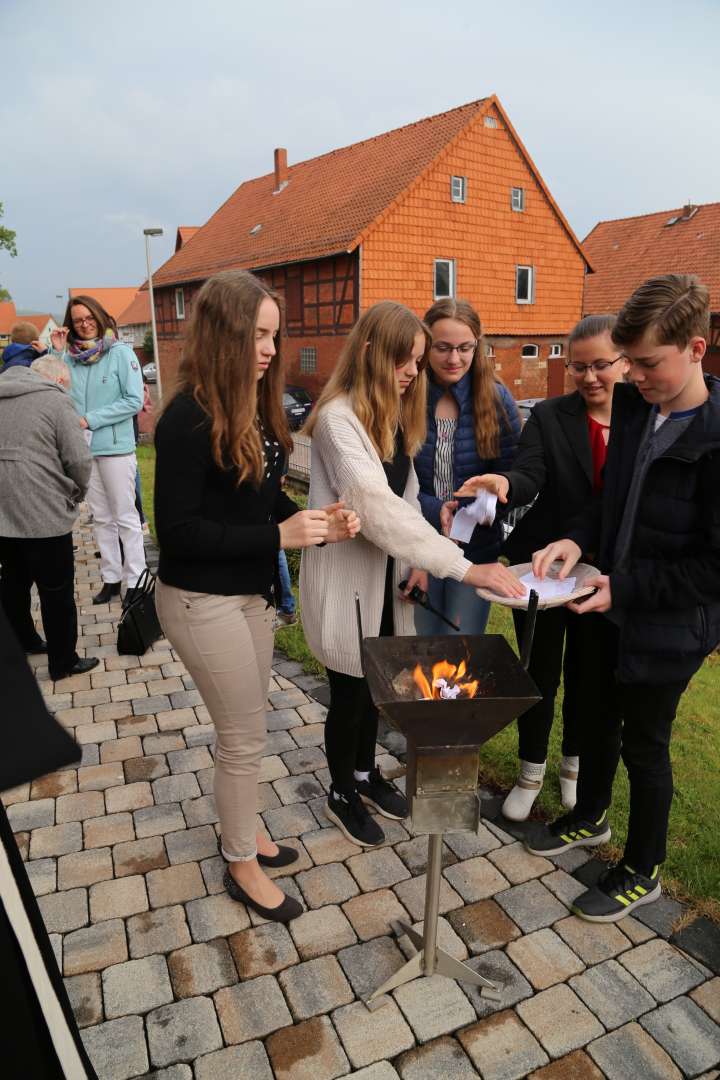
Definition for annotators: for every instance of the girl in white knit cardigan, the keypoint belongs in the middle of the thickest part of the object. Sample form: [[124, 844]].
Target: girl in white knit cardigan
[[366, 428]]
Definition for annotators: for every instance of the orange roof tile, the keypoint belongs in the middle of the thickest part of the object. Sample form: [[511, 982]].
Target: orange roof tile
[[184, 233], [8, 316], [137, 313], [114, 300], [628, 251]]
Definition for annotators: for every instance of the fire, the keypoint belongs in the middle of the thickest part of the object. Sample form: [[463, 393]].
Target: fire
[[445, 681]]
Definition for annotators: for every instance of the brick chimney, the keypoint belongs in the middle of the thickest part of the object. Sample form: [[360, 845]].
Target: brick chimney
[[281, 169]]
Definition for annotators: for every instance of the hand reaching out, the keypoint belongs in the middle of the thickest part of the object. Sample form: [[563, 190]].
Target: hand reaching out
[[343, 524], [492, 482], [495, 577], [566, 551]]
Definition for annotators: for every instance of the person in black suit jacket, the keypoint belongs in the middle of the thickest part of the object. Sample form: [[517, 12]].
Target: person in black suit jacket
[[560, 458]]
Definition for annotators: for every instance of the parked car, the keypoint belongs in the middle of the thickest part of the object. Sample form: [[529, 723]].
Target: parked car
[[150, 372], [297, 404], [525, 406]]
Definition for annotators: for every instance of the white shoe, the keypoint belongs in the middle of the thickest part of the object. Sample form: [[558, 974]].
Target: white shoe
[[519, 802], [568, 781]]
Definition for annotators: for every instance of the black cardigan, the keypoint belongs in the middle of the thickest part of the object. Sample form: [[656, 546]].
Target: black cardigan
[[214, 536]]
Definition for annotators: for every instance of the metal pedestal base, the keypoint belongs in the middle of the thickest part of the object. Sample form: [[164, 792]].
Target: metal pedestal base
[[431, 960]]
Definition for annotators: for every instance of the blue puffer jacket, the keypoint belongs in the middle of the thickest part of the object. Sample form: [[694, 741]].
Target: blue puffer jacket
[[485, 543], [108, 394]]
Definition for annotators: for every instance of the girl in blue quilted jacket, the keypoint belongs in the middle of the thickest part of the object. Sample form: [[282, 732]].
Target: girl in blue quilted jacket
[[472, 422]]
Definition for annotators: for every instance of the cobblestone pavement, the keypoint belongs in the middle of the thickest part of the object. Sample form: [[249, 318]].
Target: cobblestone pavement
[[170, 978]]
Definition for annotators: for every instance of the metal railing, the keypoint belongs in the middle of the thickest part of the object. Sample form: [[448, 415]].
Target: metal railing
[[299, 464]]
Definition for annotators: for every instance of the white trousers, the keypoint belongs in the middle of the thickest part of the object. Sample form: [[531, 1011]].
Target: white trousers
[[111, 498]]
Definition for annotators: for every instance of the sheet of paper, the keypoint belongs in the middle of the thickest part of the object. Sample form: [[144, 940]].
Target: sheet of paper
[[549, 588], [480, 512], [88, 435]]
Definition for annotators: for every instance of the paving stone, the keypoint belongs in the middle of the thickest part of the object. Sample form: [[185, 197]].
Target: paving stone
[[184, 699], [317, 805], [325, 930], [136, 986], [382, 1070], [287, 699], [216, 916], [414, 853], [433, 1006], [175, 1072], [661, 969], [559, 1020], [118, 899], [531, 905], [158, 687], [128, 692], [161, 742], [544, 958], [310, 735], [22, 839], [688, 1035], [369, 964], [700, 939], [121, 749], [575, 1066], [157, 931], [173, 789], [200, 735], [636, 931], [158, 820], [503, 1047], [292, 820], [307, 1051], [377, 869], [213, 871], [145, 768], [292, 789], [508, 981], [182, 1031], [94, 947], [499, 833], [38, 814], [373, 914], [201, 969], [661, 915], [368, 1036], [200, 811], [129, 797], [79, 806], [188, 761], [412, 895], [483, 926], [443, 1059], [447, 939], [612, 994], [63, 911], [312, 712], [630, 1051], [94, 733], [86, 998], [56, 840], [329, 884], [315, 986], [117, 1048], [52, 786], [251, 1010], [108, 830], [116, 710], [593, 942], [107, 678], [73, 717], [304, 760], [43, 876], [566, 887], [139, 856], [191, 845], [84, 868], [100, 777], [174, 719], [475, 879], [175, 885], [708, 997], [272, 768], [263, 950], [518, 865], [136, 725], [246, 1062]]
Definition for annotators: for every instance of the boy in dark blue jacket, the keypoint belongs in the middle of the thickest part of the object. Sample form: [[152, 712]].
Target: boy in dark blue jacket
[[23, 347], [656, 534]]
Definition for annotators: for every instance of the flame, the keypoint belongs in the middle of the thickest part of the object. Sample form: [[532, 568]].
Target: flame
[[450, 673]]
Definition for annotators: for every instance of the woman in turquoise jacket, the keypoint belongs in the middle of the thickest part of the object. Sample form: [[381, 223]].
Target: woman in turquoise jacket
[[107, 391]]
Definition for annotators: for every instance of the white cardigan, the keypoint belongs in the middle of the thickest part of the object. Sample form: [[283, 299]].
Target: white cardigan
[[345, 465]]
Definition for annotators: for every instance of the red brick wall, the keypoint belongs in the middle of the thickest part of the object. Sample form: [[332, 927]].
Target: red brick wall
[[526, 378]]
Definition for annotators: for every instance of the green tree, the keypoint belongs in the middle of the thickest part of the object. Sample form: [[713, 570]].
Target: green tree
[[7, 243], [148, 345]]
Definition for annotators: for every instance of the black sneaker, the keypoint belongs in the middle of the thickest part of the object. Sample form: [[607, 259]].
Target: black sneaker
[[378, 792], [352, 819], [618, 892], [568, 832]]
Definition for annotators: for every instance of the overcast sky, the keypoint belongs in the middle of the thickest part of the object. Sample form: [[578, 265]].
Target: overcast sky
[[118, 116]]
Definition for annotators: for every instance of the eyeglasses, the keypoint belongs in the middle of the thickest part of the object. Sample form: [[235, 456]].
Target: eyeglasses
[[596, 366], [446, 349], [84, 320]]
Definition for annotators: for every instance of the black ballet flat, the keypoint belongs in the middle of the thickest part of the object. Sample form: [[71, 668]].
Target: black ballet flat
[[283, 913], [285, 855]]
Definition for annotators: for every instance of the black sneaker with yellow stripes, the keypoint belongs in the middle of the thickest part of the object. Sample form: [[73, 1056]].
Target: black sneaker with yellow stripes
[[617, 893], [568, 832]]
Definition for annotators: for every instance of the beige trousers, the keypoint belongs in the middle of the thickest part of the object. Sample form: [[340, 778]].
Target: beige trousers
[[226, 643]]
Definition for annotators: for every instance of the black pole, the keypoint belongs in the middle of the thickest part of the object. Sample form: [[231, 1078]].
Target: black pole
[[529, 631]]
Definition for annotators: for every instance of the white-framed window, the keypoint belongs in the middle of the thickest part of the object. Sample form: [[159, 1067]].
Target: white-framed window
[[530, 352], [308, 359], [489, 350], [524, 285], [458, 188], [443, 278], [490, 122], [180, 303], [517, 198], [556, 349]]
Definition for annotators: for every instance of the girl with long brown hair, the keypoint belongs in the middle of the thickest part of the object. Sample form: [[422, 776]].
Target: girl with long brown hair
[[366, 428], [221, 518]]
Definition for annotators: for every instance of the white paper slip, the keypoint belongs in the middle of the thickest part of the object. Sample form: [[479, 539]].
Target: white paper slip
[[549, 588], [88, 435], [480, 512]]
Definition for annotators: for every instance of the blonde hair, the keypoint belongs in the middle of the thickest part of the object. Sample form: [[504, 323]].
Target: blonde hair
[[23, 333], [381, 340], [51, 367]]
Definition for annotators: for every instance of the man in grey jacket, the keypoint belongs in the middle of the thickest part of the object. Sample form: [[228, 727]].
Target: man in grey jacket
[[44, 471]]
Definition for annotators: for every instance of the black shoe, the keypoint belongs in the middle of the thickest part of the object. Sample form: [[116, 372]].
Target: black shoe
[[285, 855], [109, 589], [618, 891], [348, 812], [378, 792], [289, 909], [568, 832], [80, 667], [41, 647]]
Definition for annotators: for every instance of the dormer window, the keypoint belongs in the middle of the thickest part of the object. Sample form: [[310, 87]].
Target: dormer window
[[458, 188]]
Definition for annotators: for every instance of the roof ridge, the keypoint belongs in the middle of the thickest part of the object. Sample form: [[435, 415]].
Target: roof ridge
[[652, 213]]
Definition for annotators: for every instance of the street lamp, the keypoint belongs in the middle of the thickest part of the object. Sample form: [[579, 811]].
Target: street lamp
[[147, 234]]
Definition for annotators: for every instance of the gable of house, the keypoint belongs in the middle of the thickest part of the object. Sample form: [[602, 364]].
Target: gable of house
[[114, 300]]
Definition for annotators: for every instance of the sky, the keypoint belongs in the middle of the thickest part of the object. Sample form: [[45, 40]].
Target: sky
[[121, 116]]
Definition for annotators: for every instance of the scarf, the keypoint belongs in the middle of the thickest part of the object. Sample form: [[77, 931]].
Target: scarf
[[90, 350]]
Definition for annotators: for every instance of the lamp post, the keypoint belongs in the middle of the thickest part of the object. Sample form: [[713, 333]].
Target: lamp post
[[147, 234]]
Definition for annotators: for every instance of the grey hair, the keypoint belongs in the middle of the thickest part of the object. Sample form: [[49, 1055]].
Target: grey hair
[[50, 367], [591, 326]]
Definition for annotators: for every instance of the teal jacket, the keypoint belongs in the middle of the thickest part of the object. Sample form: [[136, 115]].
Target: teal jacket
[[108, 394]]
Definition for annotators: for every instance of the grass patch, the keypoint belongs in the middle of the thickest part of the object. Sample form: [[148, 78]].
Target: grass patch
[[146, 464]]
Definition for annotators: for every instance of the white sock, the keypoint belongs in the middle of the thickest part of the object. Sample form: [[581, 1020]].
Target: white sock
[[519, 802], [361, 775], [568, 781]]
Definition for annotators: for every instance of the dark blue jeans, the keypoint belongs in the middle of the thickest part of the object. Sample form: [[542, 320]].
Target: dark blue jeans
[[287, 599]]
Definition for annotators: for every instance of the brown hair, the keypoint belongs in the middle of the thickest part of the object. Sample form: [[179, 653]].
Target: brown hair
[[381, 340], [218, 368], [102, 317], [485, 396], [23, 333], [590, 327], [676, 307]]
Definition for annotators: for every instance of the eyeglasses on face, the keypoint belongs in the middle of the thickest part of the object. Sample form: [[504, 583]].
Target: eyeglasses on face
[[596, 366], [86, 319], [446, 349]]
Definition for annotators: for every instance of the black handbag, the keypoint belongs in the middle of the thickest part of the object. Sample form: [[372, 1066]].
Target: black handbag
[[139, 625]]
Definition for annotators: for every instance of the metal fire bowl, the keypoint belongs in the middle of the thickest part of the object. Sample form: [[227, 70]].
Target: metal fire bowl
[[506, 690]]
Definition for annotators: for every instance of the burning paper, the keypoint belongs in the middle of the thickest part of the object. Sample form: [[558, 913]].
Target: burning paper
[[444, 682]]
